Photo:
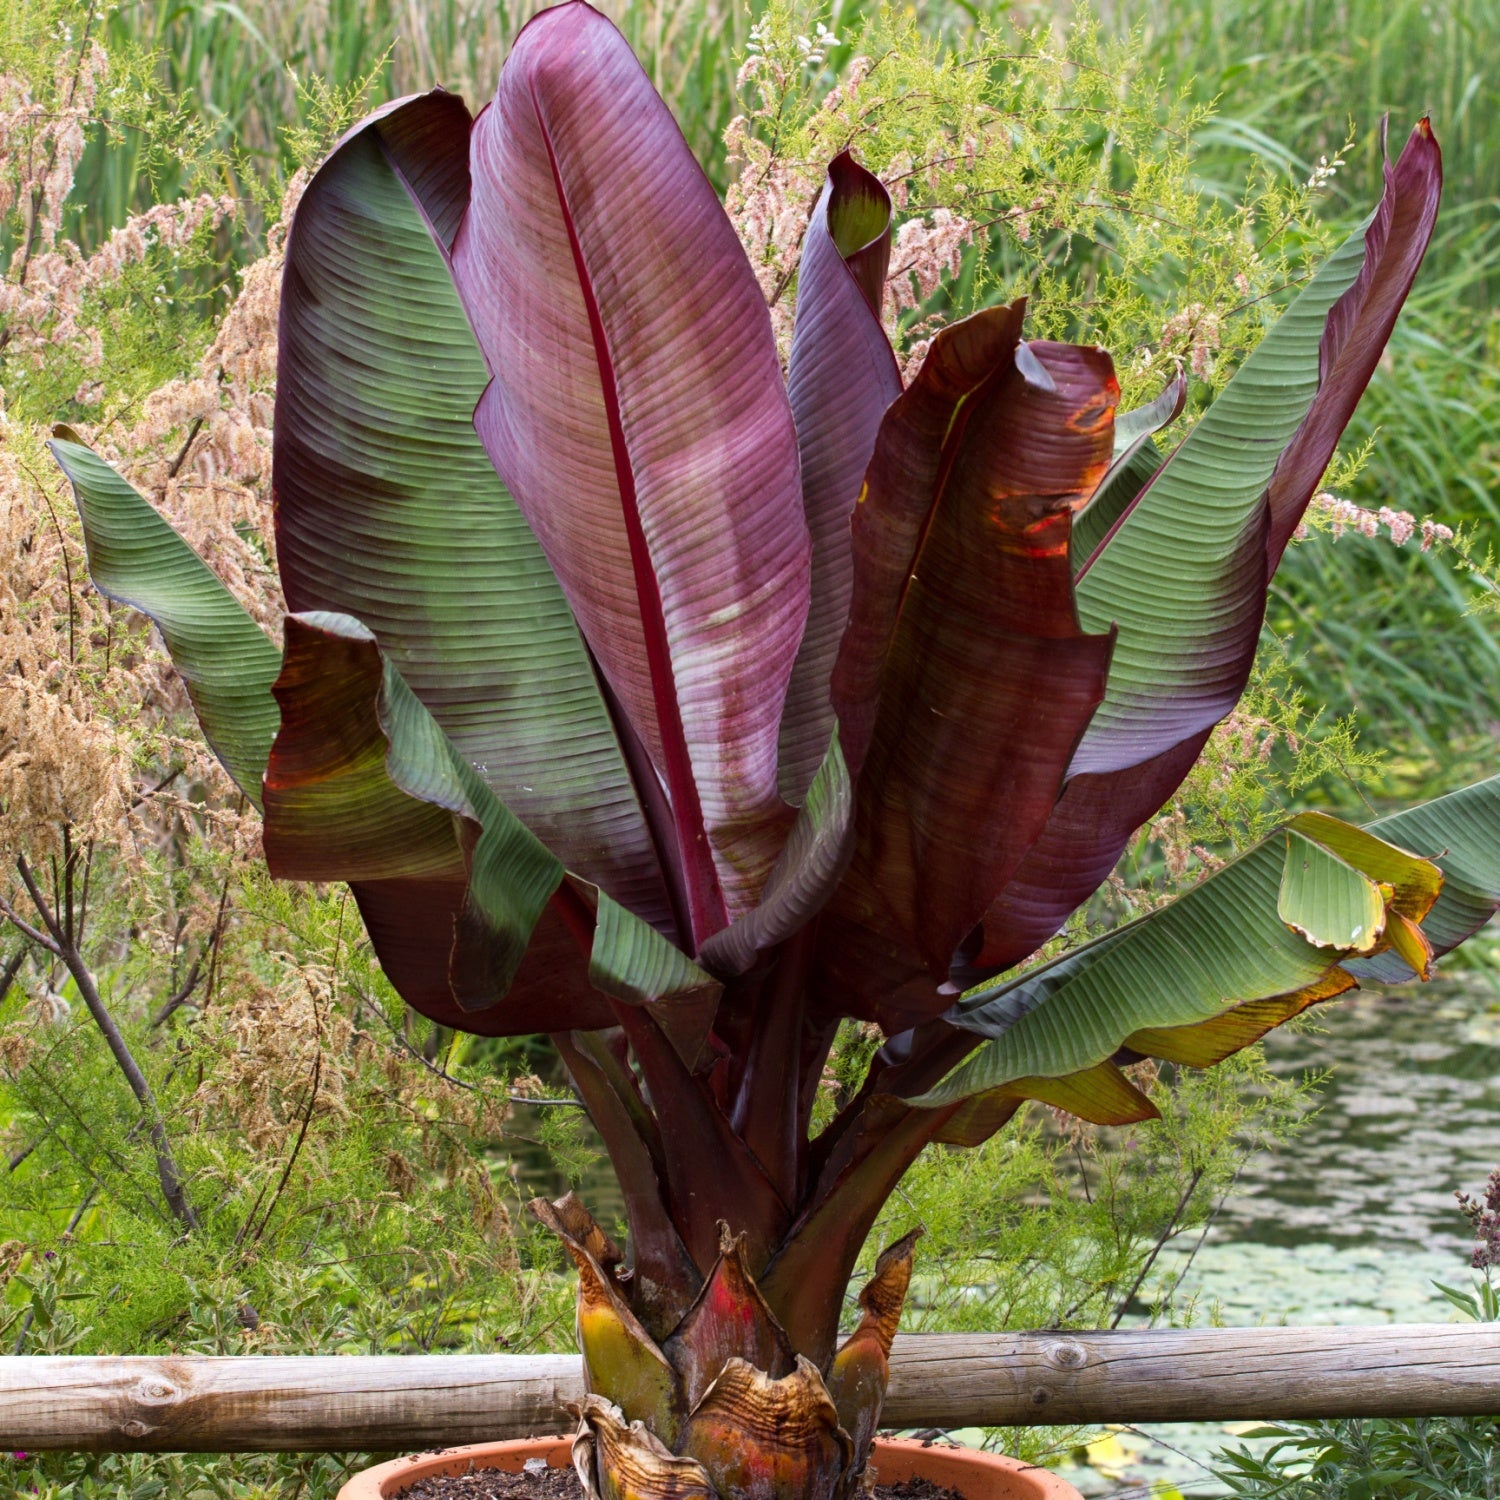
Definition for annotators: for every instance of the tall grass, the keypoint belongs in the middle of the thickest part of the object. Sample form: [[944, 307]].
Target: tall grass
[[1290, 76], [1381, 632], [268, 75]]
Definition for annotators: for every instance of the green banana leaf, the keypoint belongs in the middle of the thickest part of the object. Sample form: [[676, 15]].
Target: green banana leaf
[[359, 782], [225, 658], [1245, 949]]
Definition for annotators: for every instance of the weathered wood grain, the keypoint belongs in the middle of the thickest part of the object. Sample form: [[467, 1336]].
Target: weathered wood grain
[[1195, 1374], [398, 1403]]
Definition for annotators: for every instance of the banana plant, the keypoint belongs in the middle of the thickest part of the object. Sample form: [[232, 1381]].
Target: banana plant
[[684, 711]]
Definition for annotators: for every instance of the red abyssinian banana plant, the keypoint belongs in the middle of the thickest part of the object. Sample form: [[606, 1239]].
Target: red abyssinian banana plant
[[682, 711]]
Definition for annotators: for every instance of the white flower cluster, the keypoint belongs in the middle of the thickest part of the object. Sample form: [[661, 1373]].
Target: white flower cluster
[[812, 51], [817, 47], [1324, 173], [1402, 526]]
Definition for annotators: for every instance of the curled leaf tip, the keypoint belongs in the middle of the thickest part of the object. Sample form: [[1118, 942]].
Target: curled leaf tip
[[884, 1294], [571, 1221], [1032, 370]]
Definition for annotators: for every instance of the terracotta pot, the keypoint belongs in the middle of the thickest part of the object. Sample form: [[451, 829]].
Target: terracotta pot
[[978, 1476]]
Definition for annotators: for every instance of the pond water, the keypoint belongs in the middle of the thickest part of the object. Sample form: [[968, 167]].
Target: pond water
[[1354, 1220]]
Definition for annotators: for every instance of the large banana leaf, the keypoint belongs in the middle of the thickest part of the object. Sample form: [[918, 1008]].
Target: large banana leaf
[[964, 680], [1175, 574], [842, 376], [1237, 954], [363, 786], [136, 558], [1183, 572], [638, 415], [988, 681], [388, 508]]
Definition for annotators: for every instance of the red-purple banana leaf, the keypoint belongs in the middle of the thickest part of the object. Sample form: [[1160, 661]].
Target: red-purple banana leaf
[[638, 414], [841, 378], [964, 680]]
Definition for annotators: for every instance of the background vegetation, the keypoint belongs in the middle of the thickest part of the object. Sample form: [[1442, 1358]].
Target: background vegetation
[[1156, 177]]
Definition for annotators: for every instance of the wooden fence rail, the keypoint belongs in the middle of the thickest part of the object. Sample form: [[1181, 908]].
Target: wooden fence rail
[[393, 1403]]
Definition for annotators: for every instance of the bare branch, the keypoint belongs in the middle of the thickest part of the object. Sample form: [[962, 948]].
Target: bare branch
[[182, 452], [181, 997], [62, 944], [30, 933], [1161, 1240]]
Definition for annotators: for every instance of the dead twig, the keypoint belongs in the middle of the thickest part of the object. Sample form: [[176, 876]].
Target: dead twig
[[58, 939], [1161, 1240]]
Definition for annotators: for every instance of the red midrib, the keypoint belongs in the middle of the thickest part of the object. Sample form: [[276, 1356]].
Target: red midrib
[[705, 898]]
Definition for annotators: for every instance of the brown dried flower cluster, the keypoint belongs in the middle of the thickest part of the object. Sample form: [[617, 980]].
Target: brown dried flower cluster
[[59, 761], [201, 445], [91, 713], [90, 705], [42, 142], [1181, 853]]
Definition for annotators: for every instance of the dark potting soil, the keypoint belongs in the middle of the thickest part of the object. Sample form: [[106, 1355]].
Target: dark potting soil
[[494, 1484], [916, 1489], [562, 1484]]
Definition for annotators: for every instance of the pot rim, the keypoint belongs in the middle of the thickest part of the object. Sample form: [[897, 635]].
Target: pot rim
[[903, 1458]]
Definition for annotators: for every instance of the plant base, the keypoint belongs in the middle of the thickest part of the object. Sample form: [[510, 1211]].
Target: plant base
[[975, 1475]]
